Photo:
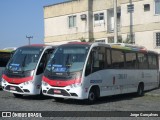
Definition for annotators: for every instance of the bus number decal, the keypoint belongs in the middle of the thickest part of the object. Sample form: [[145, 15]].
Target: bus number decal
[[122, 76], [95, 81]]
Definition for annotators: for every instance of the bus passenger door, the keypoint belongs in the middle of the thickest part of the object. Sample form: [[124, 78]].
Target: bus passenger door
[[95, 73], [41, 68]]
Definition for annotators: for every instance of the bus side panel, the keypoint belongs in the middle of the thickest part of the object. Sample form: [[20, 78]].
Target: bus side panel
[[1, 71], [37, 83], [112, 82], [149, 78]]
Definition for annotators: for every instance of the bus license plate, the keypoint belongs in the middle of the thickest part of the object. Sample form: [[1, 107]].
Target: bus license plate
[[57, 91], [12, 88]]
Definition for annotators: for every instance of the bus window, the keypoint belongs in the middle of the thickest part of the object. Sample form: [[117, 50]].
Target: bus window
[[44, 60], [99, 59], [131, 61], [108, 63], [4, 58], [152, 60], [117, 59], [96, 60], [89, 65], [142, 61]]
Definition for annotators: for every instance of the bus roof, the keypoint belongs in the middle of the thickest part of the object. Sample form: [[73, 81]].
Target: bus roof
[[38, 45], [129, 47], [122, 46], [79, 43], [6, 51], [10, 48]]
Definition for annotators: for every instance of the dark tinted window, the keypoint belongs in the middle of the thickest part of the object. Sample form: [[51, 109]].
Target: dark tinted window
[[131, 61], [99, 59], [152, 60], [117, 59], [143, 61], [4, 58], [108, 59]]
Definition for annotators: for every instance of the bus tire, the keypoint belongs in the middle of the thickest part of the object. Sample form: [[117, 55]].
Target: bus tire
[[17, 95], [140, 90], [58, 99], [93, 95]]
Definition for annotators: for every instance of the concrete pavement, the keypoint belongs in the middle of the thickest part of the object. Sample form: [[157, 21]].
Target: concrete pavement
[[154, 92]]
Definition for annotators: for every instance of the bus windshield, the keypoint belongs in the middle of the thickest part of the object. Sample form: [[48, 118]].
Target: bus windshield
[[68, 59], [25, 59]]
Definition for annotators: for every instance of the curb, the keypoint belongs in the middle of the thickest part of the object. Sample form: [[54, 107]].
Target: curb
[[152, 94]]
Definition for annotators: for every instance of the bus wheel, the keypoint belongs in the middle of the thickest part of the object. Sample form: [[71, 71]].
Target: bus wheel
[[17, 95], [92, 96], [59, 99], [140, 91]]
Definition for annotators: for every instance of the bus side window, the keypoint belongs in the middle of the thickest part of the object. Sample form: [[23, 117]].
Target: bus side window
[[152, 59], [41, 65], [118, 61], [108, 63], [143, 61], [44, 60], [131, 60], [4, 58], [89, 65], [96, 60]]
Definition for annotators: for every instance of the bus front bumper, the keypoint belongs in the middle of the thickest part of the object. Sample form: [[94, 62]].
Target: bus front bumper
[[65, 92], [28, 89]]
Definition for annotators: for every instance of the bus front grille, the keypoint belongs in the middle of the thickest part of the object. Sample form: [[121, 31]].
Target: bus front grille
[[62, 92], [8, 87]]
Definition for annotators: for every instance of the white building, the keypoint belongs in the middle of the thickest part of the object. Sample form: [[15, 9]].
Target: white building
[[138, 22]]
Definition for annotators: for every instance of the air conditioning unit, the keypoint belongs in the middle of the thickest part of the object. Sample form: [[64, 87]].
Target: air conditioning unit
[[83, 17]]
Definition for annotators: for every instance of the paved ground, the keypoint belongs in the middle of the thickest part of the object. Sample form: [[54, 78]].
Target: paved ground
[[128, 102]]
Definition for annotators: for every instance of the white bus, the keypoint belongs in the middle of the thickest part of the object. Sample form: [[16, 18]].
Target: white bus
[[92, 70], [5, 55], [24, 71]]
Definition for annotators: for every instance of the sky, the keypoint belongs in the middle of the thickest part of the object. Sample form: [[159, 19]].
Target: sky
[[21, 18]]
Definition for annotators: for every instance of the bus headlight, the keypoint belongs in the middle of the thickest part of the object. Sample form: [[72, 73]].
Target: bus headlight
[[3, 81], [77, 80], [44, 83], [28, 82], [75, 85]]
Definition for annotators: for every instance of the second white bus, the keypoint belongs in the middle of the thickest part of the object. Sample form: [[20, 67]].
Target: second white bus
[[92, 70], [24, 71]]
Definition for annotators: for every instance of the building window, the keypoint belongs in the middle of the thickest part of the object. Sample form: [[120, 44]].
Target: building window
[[72, 21], [158, 39], [157, 6], [103, 41], [146, 7], [99, 16]]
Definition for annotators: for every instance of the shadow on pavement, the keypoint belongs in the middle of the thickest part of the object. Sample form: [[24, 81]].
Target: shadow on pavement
[[101, 100]]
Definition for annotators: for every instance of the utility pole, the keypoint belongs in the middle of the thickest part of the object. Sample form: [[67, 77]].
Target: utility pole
[[29, 37], [131, 21], [115, 22]]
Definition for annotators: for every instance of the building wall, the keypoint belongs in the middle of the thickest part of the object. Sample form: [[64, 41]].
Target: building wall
[[65, 8], [144, 24]]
